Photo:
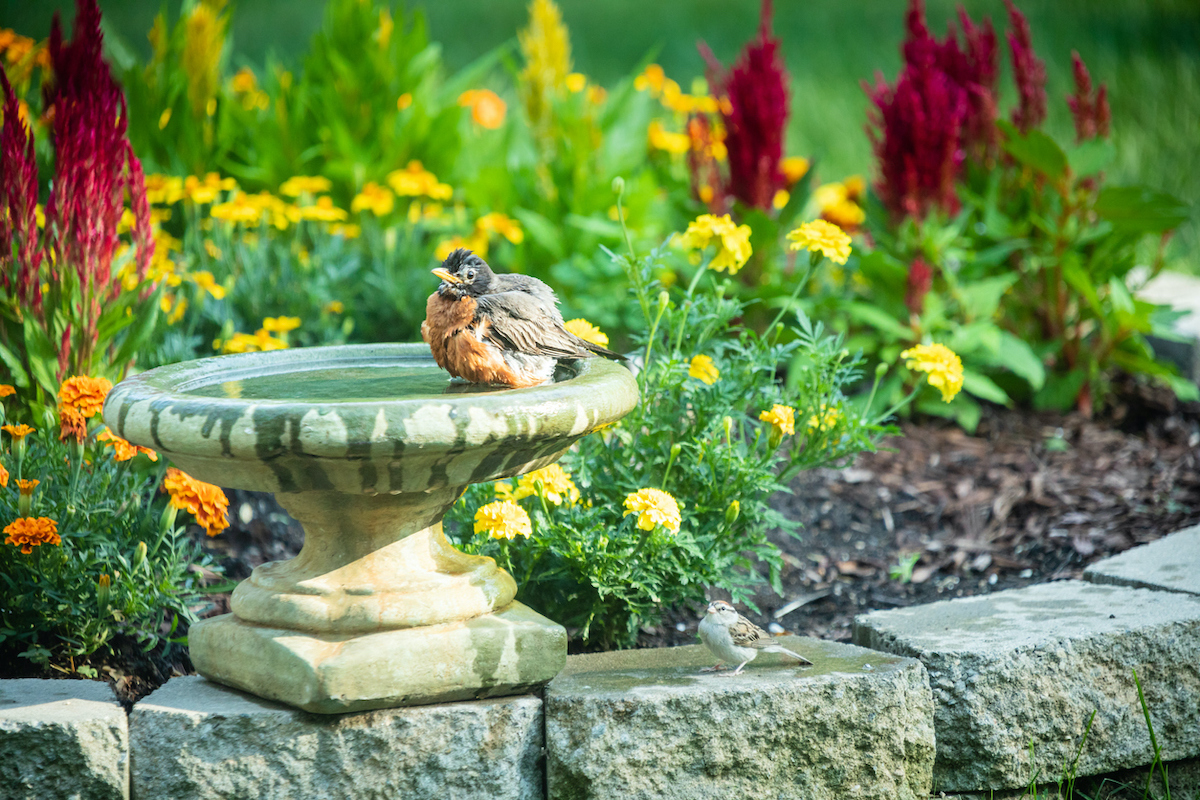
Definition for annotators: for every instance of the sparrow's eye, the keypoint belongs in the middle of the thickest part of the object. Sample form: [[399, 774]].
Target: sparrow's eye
[[470, 274]]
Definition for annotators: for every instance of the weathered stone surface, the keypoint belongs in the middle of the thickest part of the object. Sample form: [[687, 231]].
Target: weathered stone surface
[[197, 739], [1184, 782], [62, 740], [1031, 665], [648, 724], [1172, 563]]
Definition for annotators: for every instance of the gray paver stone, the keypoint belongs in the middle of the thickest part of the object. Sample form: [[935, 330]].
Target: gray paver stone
[[1029, 666], [647, 724], [199, 740], [1172, 564], [62, 740]]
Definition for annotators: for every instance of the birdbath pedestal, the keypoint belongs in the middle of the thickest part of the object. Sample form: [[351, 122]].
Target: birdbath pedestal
[[367, 446]]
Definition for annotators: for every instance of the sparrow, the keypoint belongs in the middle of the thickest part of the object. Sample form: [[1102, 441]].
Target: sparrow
[[731, 637], [502, 329]]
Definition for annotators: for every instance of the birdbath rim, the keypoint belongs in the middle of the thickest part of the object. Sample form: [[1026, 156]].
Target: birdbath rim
[[166, 408]]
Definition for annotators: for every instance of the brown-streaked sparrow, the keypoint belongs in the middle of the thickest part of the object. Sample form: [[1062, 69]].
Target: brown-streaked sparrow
[[731, 637]]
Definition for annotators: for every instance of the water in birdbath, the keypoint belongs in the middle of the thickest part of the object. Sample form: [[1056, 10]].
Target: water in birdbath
[[341, 385]]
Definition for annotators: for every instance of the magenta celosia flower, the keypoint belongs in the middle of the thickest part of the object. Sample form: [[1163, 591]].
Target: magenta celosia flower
[[920, 281], [977, 71], [755, 116], [1029, 73], [1091, 114], [94, 168], [18, 201]]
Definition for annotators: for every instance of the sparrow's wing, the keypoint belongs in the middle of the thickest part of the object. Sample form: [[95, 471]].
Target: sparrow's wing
[[746, 634], [519, 321]]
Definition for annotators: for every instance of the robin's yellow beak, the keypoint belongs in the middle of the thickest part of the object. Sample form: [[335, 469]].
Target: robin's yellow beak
[[446, 275]]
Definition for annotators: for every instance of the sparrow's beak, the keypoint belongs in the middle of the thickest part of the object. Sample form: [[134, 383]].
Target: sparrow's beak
[[446, 275]]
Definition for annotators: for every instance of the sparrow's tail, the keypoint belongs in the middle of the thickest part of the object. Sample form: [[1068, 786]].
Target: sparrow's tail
[[786, 652]]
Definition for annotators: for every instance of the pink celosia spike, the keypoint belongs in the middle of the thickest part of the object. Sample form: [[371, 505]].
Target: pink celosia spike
[[1029, 73]]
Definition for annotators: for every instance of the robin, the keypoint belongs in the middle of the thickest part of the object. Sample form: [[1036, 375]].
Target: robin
[[497, 329]]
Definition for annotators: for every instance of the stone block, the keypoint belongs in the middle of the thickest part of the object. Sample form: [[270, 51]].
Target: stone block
[[62, 740], [199, 740], [642, 724], [1171, 564], [1023, 670]]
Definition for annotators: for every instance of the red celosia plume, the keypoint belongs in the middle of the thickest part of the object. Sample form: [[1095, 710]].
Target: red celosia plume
[[18, 201], [755, 116], [1029, 73], [1091, 114], [920, 281]]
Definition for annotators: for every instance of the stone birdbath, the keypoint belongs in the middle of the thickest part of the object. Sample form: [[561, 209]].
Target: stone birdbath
[[367, 446]]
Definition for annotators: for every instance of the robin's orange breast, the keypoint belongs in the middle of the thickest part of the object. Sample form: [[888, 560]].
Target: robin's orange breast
[[459, 344]]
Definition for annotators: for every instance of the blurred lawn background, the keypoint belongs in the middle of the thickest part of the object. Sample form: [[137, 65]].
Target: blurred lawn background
[[1147, 51]]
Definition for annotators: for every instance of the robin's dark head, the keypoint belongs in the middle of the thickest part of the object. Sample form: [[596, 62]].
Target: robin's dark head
[[464, 273]]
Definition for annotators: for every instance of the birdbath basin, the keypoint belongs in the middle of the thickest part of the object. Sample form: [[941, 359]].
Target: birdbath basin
[[367, 446]]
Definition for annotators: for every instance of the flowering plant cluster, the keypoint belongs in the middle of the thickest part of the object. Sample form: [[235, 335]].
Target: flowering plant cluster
[[999, 241], [92, 559], [649, 512]]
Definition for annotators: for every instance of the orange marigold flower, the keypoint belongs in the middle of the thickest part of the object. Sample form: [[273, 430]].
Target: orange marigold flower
[[29, 532], [487, 109], [6, 390], [71, 423], [17, 432], [3, 476], [84, 394], [123, 450], [26, 487], [205, 502]]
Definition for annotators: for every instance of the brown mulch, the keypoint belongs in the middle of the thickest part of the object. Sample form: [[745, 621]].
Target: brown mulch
[[1029, 498]]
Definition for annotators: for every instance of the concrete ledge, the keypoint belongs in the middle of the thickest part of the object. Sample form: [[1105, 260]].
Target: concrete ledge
[[1170, 564], [1031, 665], [648, 724], [62, 740], [196, 739]]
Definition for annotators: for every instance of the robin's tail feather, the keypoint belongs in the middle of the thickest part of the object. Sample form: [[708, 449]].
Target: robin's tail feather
[[601, 351]]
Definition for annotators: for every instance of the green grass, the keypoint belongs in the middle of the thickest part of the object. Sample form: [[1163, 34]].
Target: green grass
[[1147, 51]]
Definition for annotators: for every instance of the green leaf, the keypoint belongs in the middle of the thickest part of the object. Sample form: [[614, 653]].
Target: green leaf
[[601, 227], [1090, 157], [1019, 358], [1079, 280], [984, 387], [878, 319], [19, 376], [138, 334], [42, 356], [1036, 150], [1060, 391], [1184, 389], [542, 231], [1140, 209], [982, 298]]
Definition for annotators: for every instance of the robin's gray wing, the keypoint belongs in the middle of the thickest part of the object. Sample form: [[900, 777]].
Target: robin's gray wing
[[516, 282], [519, 321]]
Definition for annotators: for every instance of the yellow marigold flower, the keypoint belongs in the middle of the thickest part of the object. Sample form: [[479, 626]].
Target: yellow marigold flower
[[856, 188], [204, 39], [335, 307], [653, 507], [556, 483], [26, 487], [652, 79], [6, 390], [84, 394], [383, 34], [703, 369], [174, 307], [305, 184], [733, 241], [506, 226], [205, 190], [596, 94], [477, 243], [825, 419], [822, 236], [503, 519], [71, 424], [414, 181], [123, 450], [586, 331], [347, 231], [3, 476], [260, 341], [280, 324], [377, 199], [205, 280], [780, 199], [17, 432], [29, 532], [846, 214], [487, 109], [240, 209], [782, 417], [323, 211], [794, 168], [244, 81], [662, 139], [576, 82], [942, 366], [503, 489], [404, 101], [205, 502]]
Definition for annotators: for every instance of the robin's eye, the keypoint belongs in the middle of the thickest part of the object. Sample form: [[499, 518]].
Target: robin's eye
[[470, 274]]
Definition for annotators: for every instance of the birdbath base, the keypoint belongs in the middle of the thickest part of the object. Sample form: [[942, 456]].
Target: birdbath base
[[506, 652]]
